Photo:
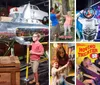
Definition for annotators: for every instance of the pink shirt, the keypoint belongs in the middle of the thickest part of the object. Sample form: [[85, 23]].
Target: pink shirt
[[36, 47], [68, 21]]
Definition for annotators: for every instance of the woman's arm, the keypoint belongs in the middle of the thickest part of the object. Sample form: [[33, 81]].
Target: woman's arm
[[61, 68]]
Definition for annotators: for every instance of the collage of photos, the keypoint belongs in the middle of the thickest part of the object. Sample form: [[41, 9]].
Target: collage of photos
[[62, 23], [88, 64], [49, 42]]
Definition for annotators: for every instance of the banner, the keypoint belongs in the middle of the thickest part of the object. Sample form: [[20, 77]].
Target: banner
[[87, 50]]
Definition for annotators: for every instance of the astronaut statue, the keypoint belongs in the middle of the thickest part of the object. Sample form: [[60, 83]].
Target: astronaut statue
[[89, 24]]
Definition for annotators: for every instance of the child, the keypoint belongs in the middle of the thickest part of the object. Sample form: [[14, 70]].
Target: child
[[67, 23], [36, 51], [89, 79], [57, 78]]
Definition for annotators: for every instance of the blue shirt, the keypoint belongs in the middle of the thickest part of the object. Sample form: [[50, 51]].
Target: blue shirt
[[54, 19]]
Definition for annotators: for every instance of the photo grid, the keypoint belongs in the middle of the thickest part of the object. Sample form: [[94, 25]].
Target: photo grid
[[49, 42]]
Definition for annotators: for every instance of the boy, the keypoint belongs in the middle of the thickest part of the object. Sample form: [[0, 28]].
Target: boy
[[57, 77], [36, 51]]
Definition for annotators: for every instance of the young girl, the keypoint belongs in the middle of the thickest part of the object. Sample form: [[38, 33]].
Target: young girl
[[67, 23], [57, 78]]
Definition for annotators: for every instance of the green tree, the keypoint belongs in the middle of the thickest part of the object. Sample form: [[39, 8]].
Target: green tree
[[65, 6]]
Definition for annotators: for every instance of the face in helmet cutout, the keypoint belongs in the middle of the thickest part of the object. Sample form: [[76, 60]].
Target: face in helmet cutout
[[89, 13]]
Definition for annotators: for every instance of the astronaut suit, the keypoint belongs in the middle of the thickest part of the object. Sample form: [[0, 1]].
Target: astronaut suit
[[89, 27]]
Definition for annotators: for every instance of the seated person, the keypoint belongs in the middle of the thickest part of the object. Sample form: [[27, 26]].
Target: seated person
[[82, 80], [90, 70], [97, 62], [91, 66], [78, 82]]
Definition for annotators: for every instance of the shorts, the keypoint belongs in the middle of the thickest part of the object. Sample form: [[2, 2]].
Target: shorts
[[55, 29], [67, 26], [34, 65]]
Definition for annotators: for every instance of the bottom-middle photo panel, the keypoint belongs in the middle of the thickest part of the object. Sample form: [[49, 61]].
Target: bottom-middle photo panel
[[62, 64]]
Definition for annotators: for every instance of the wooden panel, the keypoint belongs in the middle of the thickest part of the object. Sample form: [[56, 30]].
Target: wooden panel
[[5, 79], [17, 78], [9, 71]]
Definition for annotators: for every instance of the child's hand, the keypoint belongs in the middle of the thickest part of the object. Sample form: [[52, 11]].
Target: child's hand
[[94, 78], [31, 52], [67, 64]]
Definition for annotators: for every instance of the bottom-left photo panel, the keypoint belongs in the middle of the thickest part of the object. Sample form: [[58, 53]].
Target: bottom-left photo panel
[[24, 56], [62, 64]]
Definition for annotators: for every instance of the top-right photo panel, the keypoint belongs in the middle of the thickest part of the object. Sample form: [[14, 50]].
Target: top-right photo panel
[[88, 20]]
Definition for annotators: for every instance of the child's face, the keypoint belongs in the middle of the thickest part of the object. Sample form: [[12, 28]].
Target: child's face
[[88, 62], [68, 13], [61, 53], [89, 12], [35, 37], [55, 65]]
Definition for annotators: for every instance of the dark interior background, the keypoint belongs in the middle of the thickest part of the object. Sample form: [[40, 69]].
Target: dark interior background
[[42, 4], [81, 4]]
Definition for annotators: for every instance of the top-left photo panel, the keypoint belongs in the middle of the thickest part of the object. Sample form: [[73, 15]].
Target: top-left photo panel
[[62, 22], [18, 16], [24, 42]]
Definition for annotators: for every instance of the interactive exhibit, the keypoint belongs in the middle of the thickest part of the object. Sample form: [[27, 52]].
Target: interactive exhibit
[[57, 5], [70, 50], [86, 50], [88, 23]]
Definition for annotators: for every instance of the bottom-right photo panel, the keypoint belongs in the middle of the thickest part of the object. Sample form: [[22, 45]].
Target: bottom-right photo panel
[[62, 64], [88, 64]]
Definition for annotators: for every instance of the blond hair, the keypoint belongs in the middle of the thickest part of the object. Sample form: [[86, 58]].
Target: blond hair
[[38, 34]]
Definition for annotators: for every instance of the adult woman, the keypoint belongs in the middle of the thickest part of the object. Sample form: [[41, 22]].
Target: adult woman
[[62, 58]]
